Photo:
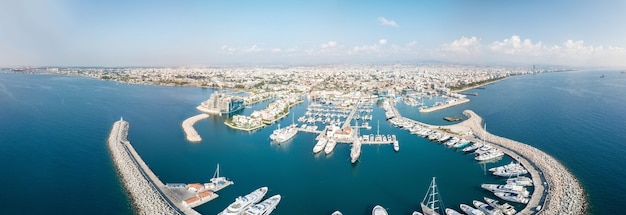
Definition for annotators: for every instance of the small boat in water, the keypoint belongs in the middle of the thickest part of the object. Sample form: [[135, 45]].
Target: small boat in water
[[470, 210], [379, 210], [336, 213], [330, 146], [485, 208], [512, 197], [505, 208], [452, 212], [264, 208], [242, 203]]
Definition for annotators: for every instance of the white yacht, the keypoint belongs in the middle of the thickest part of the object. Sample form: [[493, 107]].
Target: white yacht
[[470, 210], [330, 146], [265, 207], [320, 145], [505, 208], [282, 135], [396, 145], [336, 213], [512, 197], [490, 155], [485, 208], [512, 169], [416, 213], [509, 188], [379, 210], [242, 203], [473, 147], [520, 181], [452, 212]]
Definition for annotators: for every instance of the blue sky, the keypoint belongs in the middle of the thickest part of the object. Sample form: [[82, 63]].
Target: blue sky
[[176, 32]]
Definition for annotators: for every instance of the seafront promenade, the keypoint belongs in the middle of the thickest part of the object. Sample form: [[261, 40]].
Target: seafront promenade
[[148, 193], [556, 191], [191, 133]]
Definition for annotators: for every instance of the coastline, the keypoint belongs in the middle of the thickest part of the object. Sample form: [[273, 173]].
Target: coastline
[[190, 132], [440, 107], [480, 85]]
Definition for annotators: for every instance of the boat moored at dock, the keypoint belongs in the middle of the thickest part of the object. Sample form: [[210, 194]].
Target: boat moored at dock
[[485, 208], [470, 210], [505, 208], [242, 203], [265, 207]]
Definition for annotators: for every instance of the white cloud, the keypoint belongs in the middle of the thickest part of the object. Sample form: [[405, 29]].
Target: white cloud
[[253, 49], [276, 50], [411, 44], [329, 44], [515, 45], [382, 41], [463, 46], [386, 22]]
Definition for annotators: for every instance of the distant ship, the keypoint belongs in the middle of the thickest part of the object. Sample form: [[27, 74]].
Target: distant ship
[[221, 103]]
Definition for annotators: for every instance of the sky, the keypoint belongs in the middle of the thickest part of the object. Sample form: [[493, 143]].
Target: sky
[[186, 33]]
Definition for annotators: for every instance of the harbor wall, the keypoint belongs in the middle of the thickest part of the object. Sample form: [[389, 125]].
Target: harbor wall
[[190, 132], [146, 197], [558, 192], [440, 107]]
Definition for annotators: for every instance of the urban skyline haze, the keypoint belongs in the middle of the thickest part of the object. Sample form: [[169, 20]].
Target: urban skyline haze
[[179, 33]]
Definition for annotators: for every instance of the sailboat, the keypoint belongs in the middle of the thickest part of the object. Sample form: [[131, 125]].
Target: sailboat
[[218, 182], [431, 204]]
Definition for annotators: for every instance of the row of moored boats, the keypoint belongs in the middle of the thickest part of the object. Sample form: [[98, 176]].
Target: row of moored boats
[[249, 204]]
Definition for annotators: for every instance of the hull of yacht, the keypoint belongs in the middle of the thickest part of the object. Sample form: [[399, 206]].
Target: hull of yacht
[[242, 203], [264, 208], [379, 210], [470, 210], [505, 208], [485, 208]]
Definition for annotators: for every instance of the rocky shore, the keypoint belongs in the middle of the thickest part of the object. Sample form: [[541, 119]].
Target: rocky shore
[[145, 196]]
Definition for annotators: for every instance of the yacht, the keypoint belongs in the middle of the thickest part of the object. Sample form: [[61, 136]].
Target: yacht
[[462, 143], [416, 213], [473, 147], [452, 212], [396, 145], [509, 188], [520, 181], [320, 145], [379, 210], [264, 208], [330, 146], [282, 135], [512, 169], [470, 210], [242, 203], [336, 213], [431, 204], [512, 197], [489, 155], [505, 208], [485, 208]]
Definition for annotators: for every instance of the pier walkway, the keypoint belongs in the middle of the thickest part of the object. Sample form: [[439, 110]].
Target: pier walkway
[[149, 194], [556, 190]]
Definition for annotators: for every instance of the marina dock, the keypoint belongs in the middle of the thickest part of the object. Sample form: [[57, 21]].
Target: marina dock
[[191, 133]]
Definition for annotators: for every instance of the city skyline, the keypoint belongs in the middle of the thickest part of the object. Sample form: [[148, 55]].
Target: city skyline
[[177, 33]]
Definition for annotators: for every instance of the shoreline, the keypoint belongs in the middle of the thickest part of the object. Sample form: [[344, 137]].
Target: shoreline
[[190, 132], [441, 107], [480, 85]]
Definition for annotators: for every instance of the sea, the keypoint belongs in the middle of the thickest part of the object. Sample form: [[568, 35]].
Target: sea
[[54, 158]]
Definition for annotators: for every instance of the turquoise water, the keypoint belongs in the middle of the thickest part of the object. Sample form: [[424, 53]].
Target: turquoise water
[[53, 131]]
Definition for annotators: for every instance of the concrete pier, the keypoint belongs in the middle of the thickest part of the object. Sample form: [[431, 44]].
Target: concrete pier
[[440, 107], [148, 193], [191, 133]]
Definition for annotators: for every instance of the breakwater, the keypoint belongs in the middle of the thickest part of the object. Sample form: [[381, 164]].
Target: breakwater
[[560, 192], [144, 187], [444, 106], [191, 133]]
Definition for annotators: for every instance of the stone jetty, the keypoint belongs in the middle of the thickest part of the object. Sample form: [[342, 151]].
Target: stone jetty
[[145, 189], [191, 133], [558, 191]]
